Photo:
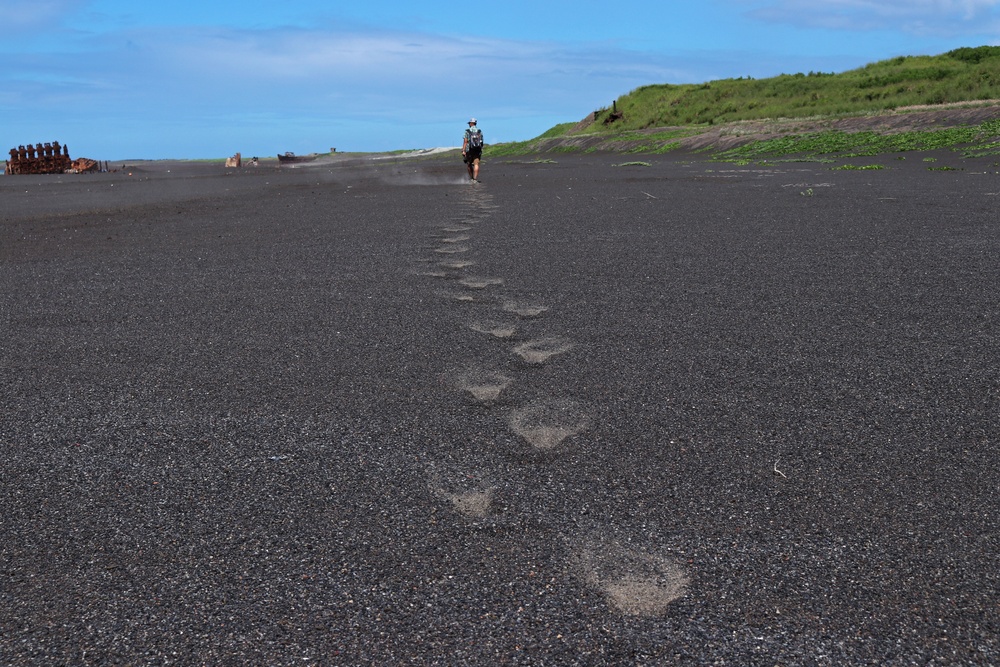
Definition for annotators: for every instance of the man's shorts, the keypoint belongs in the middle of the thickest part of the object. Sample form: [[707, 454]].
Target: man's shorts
[[472, 158]]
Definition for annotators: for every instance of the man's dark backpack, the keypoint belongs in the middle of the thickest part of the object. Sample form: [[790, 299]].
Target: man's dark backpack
[[475, 139]]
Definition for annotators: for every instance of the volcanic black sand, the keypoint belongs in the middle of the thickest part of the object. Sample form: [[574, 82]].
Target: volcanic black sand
[[364, 412]]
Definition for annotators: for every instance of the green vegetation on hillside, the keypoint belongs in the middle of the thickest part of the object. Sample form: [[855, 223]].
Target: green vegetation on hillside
[[653, 119], [957, 76]]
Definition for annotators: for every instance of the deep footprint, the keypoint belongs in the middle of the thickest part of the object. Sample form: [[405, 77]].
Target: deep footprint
[[456, 296], [481, 283], [525, 310], [539, 351], [484, 385], [459, 264], [633, 581], [495, 329], [475, 503], [545, 425]]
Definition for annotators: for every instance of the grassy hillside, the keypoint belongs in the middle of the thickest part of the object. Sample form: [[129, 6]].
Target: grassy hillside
[[655, 118], [960, 75]]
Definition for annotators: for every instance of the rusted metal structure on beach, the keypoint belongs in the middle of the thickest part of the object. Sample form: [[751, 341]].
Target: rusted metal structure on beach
[[39, 159]]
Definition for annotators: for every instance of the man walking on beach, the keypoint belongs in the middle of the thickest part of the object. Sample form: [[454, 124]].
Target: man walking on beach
[[472, 149]]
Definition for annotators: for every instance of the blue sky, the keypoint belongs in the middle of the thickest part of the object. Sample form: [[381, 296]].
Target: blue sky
[[181, 79]]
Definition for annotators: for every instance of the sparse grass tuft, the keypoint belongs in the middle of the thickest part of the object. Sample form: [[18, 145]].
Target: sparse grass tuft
[[857, 167]]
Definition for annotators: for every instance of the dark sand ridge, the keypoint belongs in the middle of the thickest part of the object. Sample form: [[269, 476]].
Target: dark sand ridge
[[238, 425]]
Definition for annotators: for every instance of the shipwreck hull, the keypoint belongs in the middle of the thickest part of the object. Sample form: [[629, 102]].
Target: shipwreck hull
[[292, 158]]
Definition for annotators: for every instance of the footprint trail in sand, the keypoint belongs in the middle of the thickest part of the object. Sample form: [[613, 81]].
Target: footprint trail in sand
[[633, 580]]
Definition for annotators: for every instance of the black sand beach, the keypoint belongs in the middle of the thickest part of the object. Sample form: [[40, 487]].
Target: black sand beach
[[366, 413]]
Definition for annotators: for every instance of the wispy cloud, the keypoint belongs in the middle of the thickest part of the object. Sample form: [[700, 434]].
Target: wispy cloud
[[32, 14], [922, 17]]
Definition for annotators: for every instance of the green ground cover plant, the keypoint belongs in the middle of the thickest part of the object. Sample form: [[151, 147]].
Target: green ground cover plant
[[858, 167], [979, 138], [512, 148]]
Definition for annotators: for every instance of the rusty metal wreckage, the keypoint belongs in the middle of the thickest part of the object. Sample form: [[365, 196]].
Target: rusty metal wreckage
[[48, 158], [39, 159]]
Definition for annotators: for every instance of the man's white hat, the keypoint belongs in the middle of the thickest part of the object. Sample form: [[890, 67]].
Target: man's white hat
[[472, 120]]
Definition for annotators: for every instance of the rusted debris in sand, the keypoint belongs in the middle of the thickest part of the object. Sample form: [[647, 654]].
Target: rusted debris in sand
[[615, 115], [84, 165]]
